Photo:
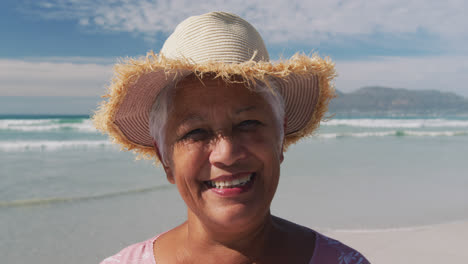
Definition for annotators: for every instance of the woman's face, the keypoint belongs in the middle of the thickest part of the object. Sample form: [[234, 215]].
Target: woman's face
[[224, 151]]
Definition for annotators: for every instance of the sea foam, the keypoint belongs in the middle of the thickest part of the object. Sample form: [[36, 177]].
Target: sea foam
[[397, 123], [45, 125], [396, 133], [51, 145]]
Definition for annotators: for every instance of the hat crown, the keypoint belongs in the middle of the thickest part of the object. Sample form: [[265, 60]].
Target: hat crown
[[215, 37]]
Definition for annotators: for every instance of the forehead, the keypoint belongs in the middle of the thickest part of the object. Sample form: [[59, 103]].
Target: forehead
[[192, 95]]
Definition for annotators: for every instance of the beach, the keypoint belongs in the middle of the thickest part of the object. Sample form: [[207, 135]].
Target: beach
[[443, 243], [87, 232], [394, 189]]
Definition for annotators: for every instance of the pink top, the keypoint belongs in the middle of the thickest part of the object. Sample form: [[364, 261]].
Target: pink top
[[327, 251]]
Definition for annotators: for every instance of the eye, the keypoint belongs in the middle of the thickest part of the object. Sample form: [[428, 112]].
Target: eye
[[195, 135], [249, 124]]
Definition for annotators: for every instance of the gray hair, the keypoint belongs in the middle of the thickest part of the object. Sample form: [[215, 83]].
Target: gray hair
[[163, 105]]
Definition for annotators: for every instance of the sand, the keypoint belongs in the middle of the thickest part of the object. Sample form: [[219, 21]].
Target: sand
[[444, 243]]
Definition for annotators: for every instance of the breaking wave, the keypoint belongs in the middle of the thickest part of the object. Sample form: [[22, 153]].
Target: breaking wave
[[51, 145], [397, 123], [396, 133], [45, 125]]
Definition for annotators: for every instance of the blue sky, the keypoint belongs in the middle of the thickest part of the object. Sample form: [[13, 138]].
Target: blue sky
[[67, 47]]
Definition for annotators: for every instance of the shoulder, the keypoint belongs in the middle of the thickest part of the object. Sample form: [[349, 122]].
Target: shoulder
[[328, 250], [323, 248], [139, 253]]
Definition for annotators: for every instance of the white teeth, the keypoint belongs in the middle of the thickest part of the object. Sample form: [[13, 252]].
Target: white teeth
[[229, 184]]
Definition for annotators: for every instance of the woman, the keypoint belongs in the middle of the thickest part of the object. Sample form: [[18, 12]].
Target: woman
[[218, 116]]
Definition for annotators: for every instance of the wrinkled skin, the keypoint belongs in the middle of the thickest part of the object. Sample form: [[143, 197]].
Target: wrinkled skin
[[215, 130]]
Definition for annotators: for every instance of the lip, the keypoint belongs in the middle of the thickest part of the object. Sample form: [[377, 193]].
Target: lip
[[230, 192], [231, 177]]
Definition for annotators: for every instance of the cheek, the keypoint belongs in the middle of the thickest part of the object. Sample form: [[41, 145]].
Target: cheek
[[187, 161], [265, 144], [188, 166]]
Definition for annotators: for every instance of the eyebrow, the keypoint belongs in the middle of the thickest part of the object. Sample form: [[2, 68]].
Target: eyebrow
[[246, 109], [196, 117], [192, 117]]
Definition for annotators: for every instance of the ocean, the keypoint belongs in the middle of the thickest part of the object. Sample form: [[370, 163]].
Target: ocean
[[67, 195]]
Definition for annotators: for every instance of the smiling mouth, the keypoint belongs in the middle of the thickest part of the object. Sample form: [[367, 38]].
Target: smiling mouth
[[231, 184]]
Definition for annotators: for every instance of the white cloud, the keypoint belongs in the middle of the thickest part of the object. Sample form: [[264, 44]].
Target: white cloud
[[278, 20], [46, 4], [84, 21], [53, 78], [84, 77], [448, 73]]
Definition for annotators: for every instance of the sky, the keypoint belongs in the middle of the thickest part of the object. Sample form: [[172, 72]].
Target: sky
[[68, 47]]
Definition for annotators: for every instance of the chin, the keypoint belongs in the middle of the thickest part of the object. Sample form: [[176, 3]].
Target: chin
[[238, 217]]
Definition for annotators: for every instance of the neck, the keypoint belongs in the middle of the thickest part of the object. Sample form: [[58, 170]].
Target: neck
[[244, 243]]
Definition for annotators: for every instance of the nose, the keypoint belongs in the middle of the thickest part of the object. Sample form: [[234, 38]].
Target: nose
[[226, 152]]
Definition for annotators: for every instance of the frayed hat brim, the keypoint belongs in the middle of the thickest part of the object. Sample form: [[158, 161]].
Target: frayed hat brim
[[305, 82]]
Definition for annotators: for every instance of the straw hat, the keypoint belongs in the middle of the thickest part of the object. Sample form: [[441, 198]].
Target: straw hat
[[216, 44]]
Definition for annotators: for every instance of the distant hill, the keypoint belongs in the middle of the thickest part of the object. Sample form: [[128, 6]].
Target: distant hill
[[398, 102], [367, 101]]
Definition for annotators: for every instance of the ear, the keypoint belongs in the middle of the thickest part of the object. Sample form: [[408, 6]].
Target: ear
[[285, 125], [169, 175], [167, 169], [282, 153]]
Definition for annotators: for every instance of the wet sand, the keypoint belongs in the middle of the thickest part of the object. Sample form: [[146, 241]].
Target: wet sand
[[444, 243]]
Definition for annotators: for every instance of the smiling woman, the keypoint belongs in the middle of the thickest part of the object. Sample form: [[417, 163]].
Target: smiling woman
[[218, 116], [223, 134]]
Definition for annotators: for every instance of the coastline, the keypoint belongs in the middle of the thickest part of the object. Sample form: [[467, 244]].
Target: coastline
[[79, 191], [103, 226], [434, 244]]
